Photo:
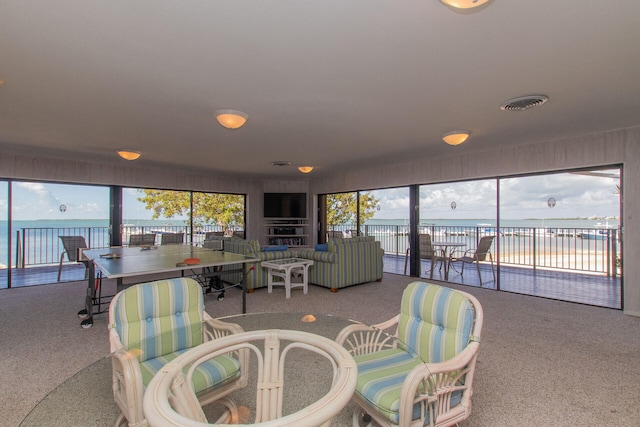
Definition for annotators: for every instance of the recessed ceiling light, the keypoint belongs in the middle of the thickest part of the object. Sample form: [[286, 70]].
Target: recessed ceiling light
[[524, 102]]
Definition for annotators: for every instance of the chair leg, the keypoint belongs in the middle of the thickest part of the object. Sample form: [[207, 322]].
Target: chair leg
[[60, 265], [479, 275]]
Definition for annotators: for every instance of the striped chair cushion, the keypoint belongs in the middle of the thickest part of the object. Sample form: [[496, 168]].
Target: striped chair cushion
[[435, 321], [213, 373], [161, 317]]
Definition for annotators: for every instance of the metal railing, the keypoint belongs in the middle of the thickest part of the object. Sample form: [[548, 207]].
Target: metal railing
[[581, 249], [42, 246]]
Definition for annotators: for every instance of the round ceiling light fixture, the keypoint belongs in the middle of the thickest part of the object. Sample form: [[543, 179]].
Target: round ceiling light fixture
[[305, 169], [129, 154], [231, 119], [464, 4], [524, 102], [455, 137]]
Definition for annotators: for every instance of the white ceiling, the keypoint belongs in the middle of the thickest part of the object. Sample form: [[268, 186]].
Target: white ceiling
[[329, 83]]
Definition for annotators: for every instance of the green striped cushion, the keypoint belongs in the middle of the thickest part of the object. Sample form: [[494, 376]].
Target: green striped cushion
[[380, 378], [435, 321], [211, 374], [160, 317]]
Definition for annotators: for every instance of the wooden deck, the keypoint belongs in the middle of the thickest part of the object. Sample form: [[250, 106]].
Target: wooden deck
[[591, 289]]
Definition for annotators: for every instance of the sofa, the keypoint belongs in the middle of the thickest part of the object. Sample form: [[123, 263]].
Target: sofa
[[345, 262], [257, 277]]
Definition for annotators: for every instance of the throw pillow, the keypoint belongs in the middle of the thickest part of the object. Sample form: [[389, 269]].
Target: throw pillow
[[322, 247]]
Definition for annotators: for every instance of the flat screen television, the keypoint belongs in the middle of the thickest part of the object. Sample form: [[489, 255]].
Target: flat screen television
[[285, 205]]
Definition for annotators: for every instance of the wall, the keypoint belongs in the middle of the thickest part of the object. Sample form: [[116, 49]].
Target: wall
[[608, 148], [603, 149]]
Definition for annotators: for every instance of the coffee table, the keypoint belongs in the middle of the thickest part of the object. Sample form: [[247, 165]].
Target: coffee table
[[281, 271]]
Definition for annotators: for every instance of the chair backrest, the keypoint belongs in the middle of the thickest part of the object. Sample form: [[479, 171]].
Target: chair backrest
[[426, 248], [172, 238], [483, 248], [210, 234], [161, 317], [435, 321], [71, 245], [333, 234], [142, 239]]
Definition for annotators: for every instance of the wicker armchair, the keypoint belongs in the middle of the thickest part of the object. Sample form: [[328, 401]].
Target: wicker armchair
[[151, 324], [426, 381]]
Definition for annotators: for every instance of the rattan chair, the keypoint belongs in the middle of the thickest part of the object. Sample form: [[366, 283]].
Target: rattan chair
[[151, 324], [72, 246], [426, 380]]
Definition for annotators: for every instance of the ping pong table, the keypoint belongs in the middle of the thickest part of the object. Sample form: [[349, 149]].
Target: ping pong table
[[125, 262]]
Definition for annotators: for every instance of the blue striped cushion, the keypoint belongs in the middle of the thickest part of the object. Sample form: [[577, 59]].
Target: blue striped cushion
[[213, 373], [435, 321], [160, 317]]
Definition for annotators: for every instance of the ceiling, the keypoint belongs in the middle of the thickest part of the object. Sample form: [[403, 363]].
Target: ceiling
[[331, 83]]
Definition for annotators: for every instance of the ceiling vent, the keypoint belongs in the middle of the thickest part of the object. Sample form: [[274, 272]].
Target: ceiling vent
[[280, 163], [524, 102]]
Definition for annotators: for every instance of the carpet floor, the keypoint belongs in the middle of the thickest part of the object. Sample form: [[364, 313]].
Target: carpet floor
[[541, 362]]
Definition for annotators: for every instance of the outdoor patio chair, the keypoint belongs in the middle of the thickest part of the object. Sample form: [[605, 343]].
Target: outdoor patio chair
[[335, 234], [151, 324], [480, 254], [142, 239], [426, 251], [171, 238], [210, 234], [427, 379], [72, 246]]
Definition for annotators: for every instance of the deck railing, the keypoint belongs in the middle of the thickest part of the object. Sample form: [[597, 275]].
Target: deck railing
[[581, 249], [42, 246]]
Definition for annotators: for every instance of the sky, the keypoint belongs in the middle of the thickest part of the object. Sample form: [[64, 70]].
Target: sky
[[563, 195]]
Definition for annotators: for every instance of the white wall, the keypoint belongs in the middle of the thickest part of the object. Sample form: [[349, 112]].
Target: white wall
[[604, 149]]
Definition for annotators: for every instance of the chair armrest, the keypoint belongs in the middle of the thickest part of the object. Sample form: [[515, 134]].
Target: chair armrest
[[361, 339], [431, 384], [127, 384], [217, 328]]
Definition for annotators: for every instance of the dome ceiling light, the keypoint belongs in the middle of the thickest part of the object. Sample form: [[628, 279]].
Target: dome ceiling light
[[455, 137], [464, 4], [129, 154], [305, 169], [231, 119]]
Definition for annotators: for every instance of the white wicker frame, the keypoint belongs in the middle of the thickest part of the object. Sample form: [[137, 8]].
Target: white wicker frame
[[127, 378], [362, 339], [169, 402]]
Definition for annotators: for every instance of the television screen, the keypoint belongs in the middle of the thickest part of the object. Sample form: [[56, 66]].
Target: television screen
[[285, 205]]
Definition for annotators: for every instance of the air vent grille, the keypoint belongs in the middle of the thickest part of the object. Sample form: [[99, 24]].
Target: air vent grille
[[280, 163], [524, 103]]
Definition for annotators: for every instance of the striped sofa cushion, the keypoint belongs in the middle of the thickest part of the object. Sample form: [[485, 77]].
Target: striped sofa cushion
[[435, 321], [160, 317]]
